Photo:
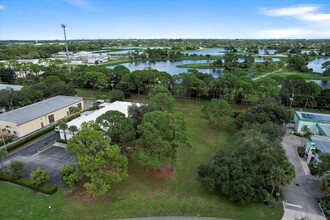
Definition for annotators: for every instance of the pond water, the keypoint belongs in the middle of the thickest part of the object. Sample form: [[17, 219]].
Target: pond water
[[316, 64], [171, 66], [324, 84], [211, 51], [270, 52]]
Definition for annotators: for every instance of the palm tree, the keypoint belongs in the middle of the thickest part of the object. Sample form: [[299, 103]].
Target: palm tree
[[5, 131], [307, 133], [73, 129], [63, 126], [3, 154], [74, 110]]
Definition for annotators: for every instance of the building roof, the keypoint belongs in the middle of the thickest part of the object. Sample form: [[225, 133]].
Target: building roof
[[14, 87], [25, 114], [322, 143], [325, 129], [115, 106], [315, 117]]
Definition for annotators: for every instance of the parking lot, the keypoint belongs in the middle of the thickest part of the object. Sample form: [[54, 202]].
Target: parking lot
[[51, 159]]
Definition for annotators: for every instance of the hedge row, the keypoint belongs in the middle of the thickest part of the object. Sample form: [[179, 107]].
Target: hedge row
[[301, 151], [61, 141], [47, 188], [27, 139]]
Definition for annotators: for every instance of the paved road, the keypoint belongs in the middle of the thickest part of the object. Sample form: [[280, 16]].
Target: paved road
[[266, 74], [34, 147], [304, 192]]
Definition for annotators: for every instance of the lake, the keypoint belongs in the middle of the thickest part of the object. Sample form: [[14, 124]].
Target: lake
[[210, 51], [170, 66], [270, 52], [322, 83], [316, 64]]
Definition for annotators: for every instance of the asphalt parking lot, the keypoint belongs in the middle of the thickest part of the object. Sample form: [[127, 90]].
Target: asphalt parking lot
[[51, 159]]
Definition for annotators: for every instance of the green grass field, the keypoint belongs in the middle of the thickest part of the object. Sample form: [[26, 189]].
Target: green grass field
[[142, 194], [306, 76]]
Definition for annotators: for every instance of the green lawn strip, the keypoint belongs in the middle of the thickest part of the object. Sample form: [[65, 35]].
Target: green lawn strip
[[89, 94], [198, 66], [46, 147], [21, 203], [306, 76]]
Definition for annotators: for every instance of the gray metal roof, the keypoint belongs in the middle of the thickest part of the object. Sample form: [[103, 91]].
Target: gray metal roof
[[22, 115], [322, 143], [14, 87], [325, 128]]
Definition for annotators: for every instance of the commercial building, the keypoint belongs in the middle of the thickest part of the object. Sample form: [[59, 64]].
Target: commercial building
[[25, 120], [311, 120], [321, 143], [105, 107]]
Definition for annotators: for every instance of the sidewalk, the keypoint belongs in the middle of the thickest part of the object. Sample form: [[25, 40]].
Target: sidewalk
[[290, 214]]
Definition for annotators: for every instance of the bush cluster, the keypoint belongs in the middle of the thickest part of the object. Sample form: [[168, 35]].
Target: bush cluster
[[47, 188], [301, 151]]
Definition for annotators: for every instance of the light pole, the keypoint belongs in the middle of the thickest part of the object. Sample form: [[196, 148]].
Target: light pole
[[66, 47]]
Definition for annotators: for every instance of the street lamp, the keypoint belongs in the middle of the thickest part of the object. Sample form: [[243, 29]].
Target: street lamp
[[291, 100], [66, 47]]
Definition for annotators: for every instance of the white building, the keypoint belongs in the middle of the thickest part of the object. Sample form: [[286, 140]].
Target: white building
[[115, 106], [311, 120]]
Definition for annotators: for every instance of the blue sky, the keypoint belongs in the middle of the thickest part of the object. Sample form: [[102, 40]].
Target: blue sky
[[108, 19]]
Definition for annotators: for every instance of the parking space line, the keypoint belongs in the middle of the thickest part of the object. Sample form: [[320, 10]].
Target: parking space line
[[293, 205]]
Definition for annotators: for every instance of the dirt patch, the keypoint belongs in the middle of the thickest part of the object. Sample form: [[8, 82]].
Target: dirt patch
[[162, 173], [80, 193]]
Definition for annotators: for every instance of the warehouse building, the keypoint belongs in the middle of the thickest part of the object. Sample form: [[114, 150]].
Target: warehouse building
[[92, 116], [25, 120]]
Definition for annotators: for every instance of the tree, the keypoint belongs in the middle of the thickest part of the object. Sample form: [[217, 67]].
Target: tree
[[63, 126], [5, 131], [74, 110], [325, 185], [162, 134], [249, 171], [116, 126], [3, 154], [161, 99], [216, 111], [73, 129], [117, 95], [16, 168], [39, 177], [307, 133], [70, 174], [96, 80], [136, 113], [99, 161]]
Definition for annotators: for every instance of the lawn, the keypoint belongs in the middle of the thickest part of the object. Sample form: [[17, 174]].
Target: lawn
[[143, 194], [306, 76], [88, 94]]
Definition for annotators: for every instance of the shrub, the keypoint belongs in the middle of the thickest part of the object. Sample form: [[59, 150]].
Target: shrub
[[70, 174], [47, 188], [39, 176], [301, 151], [297, 134], [313, 168], [116, 95], [16, 169], [325, 204], [61, 141]]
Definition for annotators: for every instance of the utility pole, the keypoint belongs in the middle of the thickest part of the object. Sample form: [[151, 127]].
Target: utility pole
[[66, 47]]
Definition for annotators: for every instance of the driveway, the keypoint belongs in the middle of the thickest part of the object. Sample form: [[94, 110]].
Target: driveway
[[50, 160], [303, 193]]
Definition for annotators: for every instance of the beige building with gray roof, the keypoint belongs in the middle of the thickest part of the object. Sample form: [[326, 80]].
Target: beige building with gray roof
[[25, 120]]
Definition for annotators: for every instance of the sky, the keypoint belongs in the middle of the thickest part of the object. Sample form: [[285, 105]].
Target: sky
[[150, 19]]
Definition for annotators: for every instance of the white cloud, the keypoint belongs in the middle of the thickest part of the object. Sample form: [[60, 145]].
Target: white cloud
[[84, 4], [314, 23], [2, 7], [312, 13]]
